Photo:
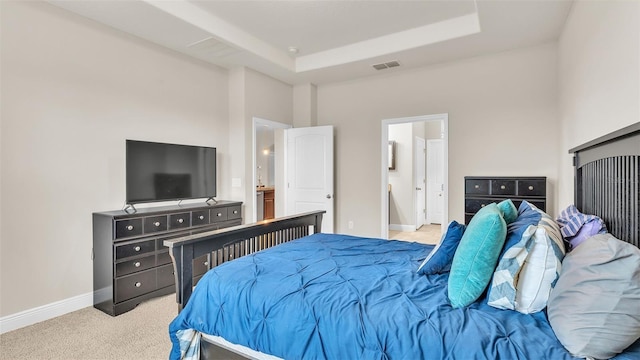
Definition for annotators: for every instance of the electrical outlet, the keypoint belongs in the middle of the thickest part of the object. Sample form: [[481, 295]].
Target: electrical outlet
[[350, 224]]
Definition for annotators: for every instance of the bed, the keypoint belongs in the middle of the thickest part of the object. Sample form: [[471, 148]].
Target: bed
[[291, 292]]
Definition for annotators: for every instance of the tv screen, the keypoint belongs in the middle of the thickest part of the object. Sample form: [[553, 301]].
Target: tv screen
[[161, 172]]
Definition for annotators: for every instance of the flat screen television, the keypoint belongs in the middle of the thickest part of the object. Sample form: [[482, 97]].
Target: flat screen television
[[163, 172]]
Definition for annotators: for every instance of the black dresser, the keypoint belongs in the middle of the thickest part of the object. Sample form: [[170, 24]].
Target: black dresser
[[480, 191], [130, 263]]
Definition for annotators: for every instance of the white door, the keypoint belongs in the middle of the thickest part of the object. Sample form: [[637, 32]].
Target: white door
[[419, 181], [435, 181], [309, 162]]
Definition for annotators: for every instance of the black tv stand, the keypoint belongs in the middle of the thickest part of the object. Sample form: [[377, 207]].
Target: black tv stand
[[131, 263], [211, 200]]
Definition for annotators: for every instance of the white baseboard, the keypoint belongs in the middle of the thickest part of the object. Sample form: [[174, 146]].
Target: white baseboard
[[45, 312], [399, 227]]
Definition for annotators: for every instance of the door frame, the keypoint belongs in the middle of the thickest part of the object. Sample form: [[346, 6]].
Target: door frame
[[430, 198], [256, 123], [384, 167], [418, 153]]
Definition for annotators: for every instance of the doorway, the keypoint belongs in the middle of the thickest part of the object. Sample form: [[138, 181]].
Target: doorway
[[439, 121], [265, 154]]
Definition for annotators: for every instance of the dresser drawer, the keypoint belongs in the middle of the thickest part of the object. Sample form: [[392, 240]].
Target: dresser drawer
[[200, 217], [137, 284], [503, 187], [165, 276], [474, 205], [154, 224], [179, 221], [135, 265], [163, 258], [219, 214], [135, 248], [200, 265], [128, 227], [476, 186], [532, 188], [233, 212]]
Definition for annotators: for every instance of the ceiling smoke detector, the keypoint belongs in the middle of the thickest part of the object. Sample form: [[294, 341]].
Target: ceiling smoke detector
[[386, 65]]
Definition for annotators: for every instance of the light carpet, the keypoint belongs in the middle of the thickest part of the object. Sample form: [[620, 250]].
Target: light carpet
[[142, 333]]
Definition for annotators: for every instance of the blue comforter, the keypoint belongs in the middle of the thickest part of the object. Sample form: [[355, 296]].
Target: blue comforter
[[342, 297]]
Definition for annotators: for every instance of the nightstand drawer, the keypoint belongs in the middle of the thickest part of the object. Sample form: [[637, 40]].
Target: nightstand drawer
[[474, 205], [476, 186], [129, 227], [200, 217], [153, 224], [136, 248], [179, 221], [135, 265], [532, 188], [503, 187], [137, 284]]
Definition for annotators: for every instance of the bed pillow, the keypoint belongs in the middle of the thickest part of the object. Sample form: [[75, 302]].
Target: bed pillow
[[439, 259], [509, 211], [502, 291], [476, 256], [542, 266], [593, 308]]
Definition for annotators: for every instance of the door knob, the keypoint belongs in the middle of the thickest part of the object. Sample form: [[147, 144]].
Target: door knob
[[328, 196], [418, 188]]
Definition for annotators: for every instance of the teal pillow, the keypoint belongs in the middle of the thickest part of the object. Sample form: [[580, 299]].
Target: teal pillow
[[476, 256], [509, 211]]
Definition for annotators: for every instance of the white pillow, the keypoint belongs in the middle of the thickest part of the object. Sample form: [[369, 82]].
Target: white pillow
[[541, 268]]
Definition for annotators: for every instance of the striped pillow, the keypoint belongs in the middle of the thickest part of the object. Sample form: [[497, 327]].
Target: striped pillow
[[542, 266]]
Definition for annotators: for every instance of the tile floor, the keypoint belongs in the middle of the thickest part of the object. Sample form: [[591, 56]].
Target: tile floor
[[427, 234]]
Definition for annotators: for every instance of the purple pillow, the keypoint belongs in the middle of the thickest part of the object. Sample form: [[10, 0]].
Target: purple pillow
[[586, 231]]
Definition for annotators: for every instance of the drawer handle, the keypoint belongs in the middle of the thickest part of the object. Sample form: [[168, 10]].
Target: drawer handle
[[201, 217], [156, 224], [482, 205], [136, 264], [530, 187], [137, 248], [219, 214], [235, 211], [206, 263], [476, 187], [502, 187], [138, 284], [180, 221], [129, 227]]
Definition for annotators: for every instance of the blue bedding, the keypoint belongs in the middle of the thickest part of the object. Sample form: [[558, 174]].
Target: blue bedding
[[342, 297]]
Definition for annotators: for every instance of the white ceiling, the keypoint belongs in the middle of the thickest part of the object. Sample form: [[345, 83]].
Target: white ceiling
[[336, 40]]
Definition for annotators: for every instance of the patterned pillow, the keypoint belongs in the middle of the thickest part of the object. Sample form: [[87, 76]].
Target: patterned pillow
[[439, 259], [542, 266], [502, 293], [476, 256]]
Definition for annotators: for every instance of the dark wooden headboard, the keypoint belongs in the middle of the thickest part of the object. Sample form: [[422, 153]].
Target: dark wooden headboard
[[607, 181]]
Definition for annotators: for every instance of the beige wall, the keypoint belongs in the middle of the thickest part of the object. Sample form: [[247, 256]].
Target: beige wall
[[502, 121], [72, 92], [599, 77]]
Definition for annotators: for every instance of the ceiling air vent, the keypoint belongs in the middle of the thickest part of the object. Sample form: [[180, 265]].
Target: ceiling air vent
[[386, 65]]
